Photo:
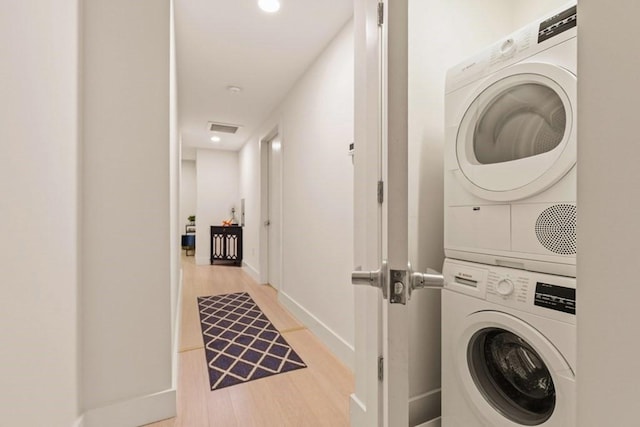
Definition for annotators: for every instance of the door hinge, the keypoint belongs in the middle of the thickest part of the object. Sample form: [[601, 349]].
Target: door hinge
[[380, 14], [380, 192], [380, 368]]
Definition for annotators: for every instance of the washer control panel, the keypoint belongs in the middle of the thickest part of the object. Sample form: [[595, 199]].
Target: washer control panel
[[538, 293], [508, 286]]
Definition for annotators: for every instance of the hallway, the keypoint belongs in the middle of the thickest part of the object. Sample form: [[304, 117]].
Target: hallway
[[315, 396]]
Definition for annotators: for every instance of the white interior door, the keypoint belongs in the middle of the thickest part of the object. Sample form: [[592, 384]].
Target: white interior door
[[381, 250], [366, 401], [381, 234], [275, 212]]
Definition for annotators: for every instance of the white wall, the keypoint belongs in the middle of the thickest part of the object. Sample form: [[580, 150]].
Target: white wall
[[217, 192], [316, 126], [39, 212], [188, 197], [525, 11], [609, 201], [249, 187], [174, 202], [317, 189], [463, 28], [71, 214], [126, 208]]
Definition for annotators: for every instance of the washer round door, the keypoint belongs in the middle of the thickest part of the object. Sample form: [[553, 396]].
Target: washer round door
[[517, 136], [512, 374]]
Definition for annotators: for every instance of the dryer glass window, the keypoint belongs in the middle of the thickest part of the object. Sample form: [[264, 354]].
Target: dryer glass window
[[511, 376], [521, 121]]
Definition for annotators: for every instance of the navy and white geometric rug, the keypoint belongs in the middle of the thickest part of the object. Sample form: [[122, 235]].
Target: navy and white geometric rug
[[240, 342]]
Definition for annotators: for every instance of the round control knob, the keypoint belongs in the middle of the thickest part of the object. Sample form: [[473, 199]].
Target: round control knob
[[505, 287]]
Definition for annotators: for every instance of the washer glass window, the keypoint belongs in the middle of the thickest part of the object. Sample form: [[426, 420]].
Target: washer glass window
[[521, 121], [511, 376]]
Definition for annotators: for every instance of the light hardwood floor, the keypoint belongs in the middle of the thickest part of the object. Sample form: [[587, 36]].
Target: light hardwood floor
[[315, 396]]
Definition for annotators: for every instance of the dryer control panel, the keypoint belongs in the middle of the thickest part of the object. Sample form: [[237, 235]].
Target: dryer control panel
[[546, 295], [529, 40], [558, 24]]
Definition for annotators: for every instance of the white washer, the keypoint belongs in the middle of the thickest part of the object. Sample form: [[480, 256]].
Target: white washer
[[510, 150], [508, 347]]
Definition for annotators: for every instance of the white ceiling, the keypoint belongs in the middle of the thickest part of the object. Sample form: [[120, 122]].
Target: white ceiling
[[232, 42]]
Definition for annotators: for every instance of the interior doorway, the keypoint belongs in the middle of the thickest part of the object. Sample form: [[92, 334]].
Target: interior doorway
[[271, 189]]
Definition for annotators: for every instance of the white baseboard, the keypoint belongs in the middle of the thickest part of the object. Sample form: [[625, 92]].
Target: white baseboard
[[357, 412], [176, 335], [433, 423], [338, 346], [134, 412], [202, 260], [424, 407], [251, 271]]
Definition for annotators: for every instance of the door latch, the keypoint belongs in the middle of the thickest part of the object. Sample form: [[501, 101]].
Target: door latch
[[404, 282], [397, 285]]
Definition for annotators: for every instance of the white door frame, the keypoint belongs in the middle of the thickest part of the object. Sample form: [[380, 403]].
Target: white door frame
[[265, 147]]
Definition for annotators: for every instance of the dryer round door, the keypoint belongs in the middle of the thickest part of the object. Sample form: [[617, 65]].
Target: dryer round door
[[512, 374], [517, 136]]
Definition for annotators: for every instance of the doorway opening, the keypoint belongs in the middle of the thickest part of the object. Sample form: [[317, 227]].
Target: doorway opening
[[271, 209]]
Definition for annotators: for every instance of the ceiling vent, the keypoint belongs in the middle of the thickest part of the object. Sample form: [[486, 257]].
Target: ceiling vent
[[222, 127]]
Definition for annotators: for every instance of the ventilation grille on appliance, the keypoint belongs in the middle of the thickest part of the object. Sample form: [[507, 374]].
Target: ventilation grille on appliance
[[224, 128], [556, 229]]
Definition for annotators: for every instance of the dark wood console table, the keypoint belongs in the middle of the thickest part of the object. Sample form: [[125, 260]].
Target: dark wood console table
[[226, 245]]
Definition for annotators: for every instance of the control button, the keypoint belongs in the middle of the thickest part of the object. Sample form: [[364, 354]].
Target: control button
[[505, 287]]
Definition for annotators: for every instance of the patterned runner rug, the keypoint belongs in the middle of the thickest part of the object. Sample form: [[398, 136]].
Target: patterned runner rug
[[240, 342]]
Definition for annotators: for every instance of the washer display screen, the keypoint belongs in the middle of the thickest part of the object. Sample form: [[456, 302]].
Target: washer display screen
[[555, 297]]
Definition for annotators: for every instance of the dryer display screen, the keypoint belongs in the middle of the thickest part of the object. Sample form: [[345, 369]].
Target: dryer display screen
[[557, 24], [555, 297]]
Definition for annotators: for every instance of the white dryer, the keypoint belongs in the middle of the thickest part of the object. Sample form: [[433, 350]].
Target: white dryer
[[510, 150], [508, 347]]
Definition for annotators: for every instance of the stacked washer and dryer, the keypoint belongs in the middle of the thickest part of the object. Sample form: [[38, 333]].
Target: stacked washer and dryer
[[508, 306]]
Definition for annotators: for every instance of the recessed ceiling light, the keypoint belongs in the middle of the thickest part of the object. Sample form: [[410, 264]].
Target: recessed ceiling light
[[234, 89], [269, 6], [216, 138]]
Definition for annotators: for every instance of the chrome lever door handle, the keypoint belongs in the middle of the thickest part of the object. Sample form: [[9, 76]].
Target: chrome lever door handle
[[267, 223], [375, 278], [427, 280], [367, 278]]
